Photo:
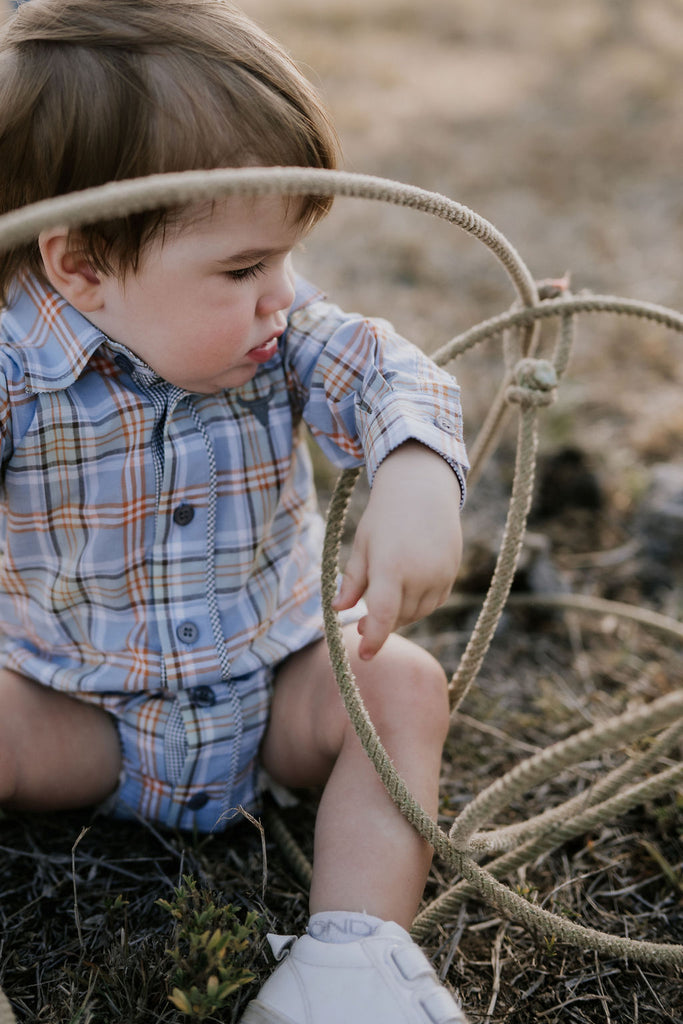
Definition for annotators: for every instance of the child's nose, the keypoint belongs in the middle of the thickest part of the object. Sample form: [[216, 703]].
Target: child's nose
[[278, 293]]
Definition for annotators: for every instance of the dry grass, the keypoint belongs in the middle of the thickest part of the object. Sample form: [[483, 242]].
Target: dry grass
[[85, 941], [561, 123]]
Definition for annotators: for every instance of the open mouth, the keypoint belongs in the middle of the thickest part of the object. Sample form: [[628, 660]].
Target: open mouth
[[262, 353]]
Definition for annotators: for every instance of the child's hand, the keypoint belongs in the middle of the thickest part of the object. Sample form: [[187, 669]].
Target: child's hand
[[407, 548]]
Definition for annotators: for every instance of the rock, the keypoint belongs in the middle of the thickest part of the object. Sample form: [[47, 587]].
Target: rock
[[566, 480], [659, 519]]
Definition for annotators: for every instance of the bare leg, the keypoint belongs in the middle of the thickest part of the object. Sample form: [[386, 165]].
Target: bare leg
[[56, 752], [367, 857]]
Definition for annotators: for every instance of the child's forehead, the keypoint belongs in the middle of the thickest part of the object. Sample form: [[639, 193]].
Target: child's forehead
[[239, 213]]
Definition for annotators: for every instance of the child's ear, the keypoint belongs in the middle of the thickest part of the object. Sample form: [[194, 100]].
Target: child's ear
[[68, 271]]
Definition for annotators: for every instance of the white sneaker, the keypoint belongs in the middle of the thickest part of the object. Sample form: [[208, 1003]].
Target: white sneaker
[[382, 979]]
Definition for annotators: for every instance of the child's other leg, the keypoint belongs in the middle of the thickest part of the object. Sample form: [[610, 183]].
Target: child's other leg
[[56, 752], [367, 857], [358, 963]]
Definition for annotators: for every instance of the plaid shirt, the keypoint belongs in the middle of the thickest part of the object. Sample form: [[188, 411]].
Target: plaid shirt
[[157, 539]]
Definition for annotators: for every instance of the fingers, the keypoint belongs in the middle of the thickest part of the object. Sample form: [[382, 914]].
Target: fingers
[[383, 595], [399, 587], [390, 602], [384, 609], [354, 581], [390, 607]]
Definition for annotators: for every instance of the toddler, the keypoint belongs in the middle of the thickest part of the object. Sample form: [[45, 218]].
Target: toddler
[[160, 608]]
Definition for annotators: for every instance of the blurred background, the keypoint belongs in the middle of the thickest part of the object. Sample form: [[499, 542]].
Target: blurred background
[[559, 122]]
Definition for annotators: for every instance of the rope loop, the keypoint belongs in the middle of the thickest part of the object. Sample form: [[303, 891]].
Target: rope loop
[[531, 385]]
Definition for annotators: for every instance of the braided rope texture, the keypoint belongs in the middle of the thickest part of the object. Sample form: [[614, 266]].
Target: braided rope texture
[[529, 385], [6, 1014]]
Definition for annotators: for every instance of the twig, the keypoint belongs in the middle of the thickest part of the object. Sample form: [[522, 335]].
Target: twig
[[495, 962], [603, 995], [569, 1002], [491, 730], [455, 942], [77, 916], [264, 853]]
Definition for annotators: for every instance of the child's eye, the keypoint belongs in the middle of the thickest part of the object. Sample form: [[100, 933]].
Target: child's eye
[[247, 273]]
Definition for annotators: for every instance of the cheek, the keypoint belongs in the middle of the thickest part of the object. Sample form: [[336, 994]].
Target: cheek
[[221, 341], [229, 323]]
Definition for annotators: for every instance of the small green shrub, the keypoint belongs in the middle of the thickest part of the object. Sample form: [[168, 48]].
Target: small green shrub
[[210, 947]]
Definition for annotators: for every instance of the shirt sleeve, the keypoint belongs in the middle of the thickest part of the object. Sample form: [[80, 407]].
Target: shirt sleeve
[[363, 390], [5, 422]]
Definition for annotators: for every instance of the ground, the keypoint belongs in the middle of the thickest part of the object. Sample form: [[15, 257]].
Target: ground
[[560, 123]]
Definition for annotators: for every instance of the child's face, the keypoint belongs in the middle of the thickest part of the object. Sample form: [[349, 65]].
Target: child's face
[[210, 300]]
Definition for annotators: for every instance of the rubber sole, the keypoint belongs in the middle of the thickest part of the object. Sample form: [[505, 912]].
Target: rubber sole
[[257, 1013]]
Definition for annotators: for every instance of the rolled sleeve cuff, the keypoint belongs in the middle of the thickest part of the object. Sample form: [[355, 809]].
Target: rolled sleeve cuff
[[387, 419]]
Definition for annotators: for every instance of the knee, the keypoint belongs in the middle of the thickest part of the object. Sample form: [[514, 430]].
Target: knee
[[428, 693], [413, 691], [9, 773]]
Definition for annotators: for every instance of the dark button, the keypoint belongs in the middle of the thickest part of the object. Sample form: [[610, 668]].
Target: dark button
[[187, 632], [183, 515], [202, 696], [197, 801]]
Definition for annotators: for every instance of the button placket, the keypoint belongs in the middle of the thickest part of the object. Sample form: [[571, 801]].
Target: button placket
[[170, 434]]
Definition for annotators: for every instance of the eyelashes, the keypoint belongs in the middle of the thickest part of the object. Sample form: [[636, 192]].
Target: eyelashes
[[247, 273]]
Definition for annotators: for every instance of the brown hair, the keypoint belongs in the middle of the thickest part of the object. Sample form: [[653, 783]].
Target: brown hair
[[101, 90]]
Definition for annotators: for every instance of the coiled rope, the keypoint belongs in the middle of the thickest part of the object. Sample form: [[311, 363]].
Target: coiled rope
[[529, 385]]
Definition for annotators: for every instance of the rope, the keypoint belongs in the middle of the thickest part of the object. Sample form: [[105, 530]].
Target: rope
[[594, 606], [296, 857], [119, 198], [529, 385], [561, 825], [6, 1014], [456, 849], [551, 308], [536, 769]]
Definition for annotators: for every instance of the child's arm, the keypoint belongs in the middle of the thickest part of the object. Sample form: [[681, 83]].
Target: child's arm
[[407, 548]]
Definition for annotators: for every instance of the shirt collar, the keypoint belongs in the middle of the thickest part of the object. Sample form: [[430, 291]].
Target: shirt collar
[[305, 293], [53, 341]]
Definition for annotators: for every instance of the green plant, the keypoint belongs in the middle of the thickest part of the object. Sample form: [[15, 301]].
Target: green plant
[[210, 946]]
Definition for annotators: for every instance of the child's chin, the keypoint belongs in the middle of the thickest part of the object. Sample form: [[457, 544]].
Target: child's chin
[[236, 378]]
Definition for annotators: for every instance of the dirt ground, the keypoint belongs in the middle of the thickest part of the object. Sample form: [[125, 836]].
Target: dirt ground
[[561, 124]]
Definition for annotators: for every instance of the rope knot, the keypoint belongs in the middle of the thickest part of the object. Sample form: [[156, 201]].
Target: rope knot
[[535, 383]]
